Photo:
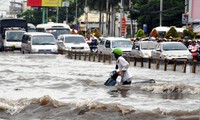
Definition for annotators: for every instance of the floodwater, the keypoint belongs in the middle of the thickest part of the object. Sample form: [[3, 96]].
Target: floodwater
[[53, 87]]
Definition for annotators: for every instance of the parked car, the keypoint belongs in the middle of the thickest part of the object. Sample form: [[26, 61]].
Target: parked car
[[171, 50], [38, 42], [143, 48], [107, 45], [72, 42]]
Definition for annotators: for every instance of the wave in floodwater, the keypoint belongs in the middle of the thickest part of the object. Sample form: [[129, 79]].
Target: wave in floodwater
[[42, 86], [48, 108]]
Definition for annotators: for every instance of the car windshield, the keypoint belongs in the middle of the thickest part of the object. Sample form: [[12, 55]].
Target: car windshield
[[148, 45], [43, 40], [14, 36], [57, 32], [121, 43], [74, 39], [174, 46]]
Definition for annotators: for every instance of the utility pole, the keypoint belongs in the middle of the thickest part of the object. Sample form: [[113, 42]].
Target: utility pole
[[86, 10], [66, 4], [161, 10], [107, 4], [121, 16], [186, 12], [57, 9], [76, 10], [131, 25]]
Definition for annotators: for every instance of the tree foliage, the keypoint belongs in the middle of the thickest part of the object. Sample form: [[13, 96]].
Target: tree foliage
[[172, 32], [31, 16], [149, 11], [154, 33], [189, 33], [96, 33], [140, 33]]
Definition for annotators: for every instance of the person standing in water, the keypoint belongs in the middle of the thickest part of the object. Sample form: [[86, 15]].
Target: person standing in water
[[122, 67]]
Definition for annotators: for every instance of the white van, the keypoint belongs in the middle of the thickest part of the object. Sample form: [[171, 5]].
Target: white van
[[38, 42], [108, 44], [73, 42]]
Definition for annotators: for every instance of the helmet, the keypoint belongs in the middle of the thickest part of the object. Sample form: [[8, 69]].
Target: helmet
[[117, 51]]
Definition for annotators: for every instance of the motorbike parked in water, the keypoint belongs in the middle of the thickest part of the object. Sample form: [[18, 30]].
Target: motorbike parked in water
[[112, 80]]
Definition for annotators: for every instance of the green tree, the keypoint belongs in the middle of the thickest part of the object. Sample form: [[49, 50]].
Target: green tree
[[172, 32], [140, 33], [150, 10], [32, 16], [189, 33]]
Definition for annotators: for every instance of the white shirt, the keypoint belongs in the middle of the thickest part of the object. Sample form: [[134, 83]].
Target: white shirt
[[123, 65]]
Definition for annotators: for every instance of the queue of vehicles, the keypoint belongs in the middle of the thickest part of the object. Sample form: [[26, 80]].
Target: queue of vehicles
[[16, 34]]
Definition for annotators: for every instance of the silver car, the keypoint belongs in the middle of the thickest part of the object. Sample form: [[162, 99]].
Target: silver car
[[143, 48], [171, 50]]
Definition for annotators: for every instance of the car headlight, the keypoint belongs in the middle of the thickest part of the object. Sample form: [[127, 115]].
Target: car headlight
[[34, 50], [164, 55], [68, 48], [87, 48], [146, 55], [189, 56], [54, 50]]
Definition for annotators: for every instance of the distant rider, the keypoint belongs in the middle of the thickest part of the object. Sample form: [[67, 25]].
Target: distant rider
[[193, 48], [122, 67]]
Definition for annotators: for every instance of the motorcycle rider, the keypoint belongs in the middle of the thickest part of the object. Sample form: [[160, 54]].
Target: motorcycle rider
[[122, 67], [193, 48]]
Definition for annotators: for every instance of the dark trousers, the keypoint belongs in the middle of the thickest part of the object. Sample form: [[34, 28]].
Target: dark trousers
[[126, 83]]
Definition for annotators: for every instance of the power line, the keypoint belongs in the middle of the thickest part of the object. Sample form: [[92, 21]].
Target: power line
[[163, 11]]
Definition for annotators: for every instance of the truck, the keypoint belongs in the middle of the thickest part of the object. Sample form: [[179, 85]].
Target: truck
[[11, 32]]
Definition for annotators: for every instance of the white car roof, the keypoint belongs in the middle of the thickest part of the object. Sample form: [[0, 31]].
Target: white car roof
[[37, 33], [171, 42], [52, 25], [71, 35], [115, 38]]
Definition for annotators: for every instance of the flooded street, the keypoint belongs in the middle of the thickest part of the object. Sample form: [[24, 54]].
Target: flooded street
[[53, 87]]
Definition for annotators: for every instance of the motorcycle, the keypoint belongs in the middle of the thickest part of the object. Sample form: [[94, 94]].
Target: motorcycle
[[112, 80]]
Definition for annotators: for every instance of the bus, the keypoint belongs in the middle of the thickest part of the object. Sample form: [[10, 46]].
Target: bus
[[162, 30], [11, 32], [54, 28]]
